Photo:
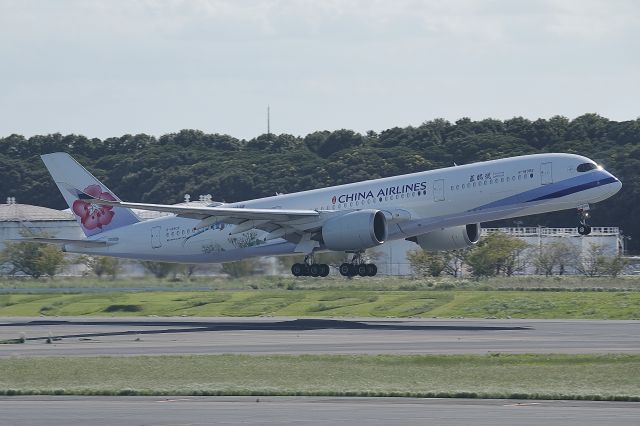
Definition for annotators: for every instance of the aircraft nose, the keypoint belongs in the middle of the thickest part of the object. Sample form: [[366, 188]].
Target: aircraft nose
[[616, 185]]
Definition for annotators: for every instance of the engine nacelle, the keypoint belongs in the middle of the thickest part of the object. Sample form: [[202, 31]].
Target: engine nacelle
[[357, 230], [454, 238]]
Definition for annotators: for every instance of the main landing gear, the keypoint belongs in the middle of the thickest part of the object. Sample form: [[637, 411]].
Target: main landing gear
[[358, 267], [309, 268], [583, 212]]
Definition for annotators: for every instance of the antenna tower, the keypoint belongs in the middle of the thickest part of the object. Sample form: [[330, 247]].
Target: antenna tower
[[268, 120]]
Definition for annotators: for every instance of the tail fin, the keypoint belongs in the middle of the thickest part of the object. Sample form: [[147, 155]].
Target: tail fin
[[72, 180]]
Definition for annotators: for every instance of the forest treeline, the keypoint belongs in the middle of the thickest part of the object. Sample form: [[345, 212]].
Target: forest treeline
[[149, 169]]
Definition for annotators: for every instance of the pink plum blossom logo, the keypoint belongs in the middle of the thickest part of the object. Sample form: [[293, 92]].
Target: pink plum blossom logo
[[94, 216]]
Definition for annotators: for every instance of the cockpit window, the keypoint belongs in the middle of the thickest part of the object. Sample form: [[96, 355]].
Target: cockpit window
[[585, 167]]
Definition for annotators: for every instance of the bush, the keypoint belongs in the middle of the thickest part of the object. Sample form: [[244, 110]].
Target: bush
[[104, 265], [241, 268], [33, 259]]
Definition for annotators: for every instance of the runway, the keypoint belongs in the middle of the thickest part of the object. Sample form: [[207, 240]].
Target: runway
[[75, 411], [91, 336]]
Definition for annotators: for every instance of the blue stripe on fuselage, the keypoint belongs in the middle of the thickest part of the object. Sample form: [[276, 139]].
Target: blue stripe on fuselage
[[578, 188], [554, 190]]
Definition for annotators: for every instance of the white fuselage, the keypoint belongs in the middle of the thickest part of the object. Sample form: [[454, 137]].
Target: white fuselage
[[418, 203]]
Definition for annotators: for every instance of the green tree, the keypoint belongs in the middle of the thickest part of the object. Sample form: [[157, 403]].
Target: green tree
[[32, 259], [50, 260], [159, 269], [456, 259], [496, 254], [554, 256], [616, 265], [104, 265], [427, 264], [595, 262], [240, 268]]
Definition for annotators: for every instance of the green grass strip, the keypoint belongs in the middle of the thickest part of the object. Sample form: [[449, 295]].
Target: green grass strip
[[588, 377], [331, 302]]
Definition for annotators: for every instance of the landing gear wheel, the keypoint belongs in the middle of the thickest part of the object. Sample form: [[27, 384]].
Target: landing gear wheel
[[353, 270], [297, 269], [345, 269], [362, 270], [315, 270], [324, 270], [584, 229], [583, 212], [372, 269]]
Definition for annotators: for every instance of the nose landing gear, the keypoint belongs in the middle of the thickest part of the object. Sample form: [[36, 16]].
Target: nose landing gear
[[583, 213]]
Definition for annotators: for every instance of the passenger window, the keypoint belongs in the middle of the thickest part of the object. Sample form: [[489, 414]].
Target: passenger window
[[585, 167]]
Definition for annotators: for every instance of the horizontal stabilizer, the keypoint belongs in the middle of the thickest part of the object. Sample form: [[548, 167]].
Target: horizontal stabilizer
[[62, 241]]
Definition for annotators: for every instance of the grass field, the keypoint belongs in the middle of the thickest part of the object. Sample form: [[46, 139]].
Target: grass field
[[327, 303], [540, 283], [612, 377]]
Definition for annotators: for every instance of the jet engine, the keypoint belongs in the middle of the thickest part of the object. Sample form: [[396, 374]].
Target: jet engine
[[357, 230], [454, 238]]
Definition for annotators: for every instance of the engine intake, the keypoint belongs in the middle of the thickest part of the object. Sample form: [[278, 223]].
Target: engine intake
[[454, 238], [355, 231]]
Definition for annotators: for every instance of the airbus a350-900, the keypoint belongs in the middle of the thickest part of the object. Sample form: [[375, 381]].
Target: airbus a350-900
[[438, 210]]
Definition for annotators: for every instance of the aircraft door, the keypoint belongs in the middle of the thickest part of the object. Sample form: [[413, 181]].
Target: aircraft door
[[155, 237], [438, 190], [546, 173]]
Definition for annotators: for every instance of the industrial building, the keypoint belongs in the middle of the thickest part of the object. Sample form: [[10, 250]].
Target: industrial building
[[18, 220]]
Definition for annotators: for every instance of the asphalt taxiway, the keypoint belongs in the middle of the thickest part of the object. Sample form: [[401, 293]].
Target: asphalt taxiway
[[88, 336], [100, 411]]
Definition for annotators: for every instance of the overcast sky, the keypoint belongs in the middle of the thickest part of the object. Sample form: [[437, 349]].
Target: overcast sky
[[107, 67]]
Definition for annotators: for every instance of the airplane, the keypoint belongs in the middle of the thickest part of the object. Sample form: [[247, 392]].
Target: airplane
[[438, 210]]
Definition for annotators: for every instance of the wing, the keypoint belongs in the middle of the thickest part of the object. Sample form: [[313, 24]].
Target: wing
[[218, 212]]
